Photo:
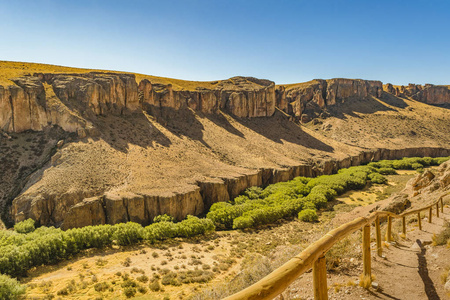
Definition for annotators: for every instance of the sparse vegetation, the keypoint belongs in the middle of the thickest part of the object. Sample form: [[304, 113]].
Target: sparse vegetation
[[443, 237]]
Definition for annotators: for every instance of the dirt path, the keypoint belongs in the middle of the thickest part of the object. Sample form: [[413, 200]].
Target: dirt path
[[410, 269]]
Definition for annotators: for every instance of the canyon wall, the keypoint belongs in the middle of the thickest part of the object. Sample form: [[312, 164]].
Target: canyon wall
[[71, 101], [428, 93], [239, 96], [71, 211], [307, 100]]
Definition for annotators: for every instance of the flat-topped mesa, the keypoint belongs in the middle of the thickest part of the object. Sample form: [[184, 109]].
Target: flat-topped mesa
[[71, 100], [239, 96], [428, 93], [307, 99]]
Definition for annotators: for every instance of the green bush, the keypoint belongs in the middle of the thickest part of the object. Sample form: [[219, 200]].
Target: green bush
[[128, 233], [308, 215], [25, 226], [194, 226], [377, 178], [387, 171], [163, 218], [10, 288], [253, 192]]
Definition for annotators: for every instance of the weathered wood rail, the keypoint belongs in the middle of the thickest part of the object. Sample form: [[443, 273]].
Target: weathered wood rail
[[314, 255]]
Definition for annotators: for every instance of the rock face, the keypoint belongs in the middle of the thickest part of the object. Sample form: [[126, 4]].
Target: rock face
[[77, 210], [305, 100], [239, 96], [428, 93], [73, 100], [23, 106]]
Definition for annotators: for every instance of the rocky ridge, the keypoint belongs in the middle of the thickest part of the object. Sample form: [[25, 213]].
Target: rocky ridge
[[311, 99], [76, 102], [72, 101], [74, 210]]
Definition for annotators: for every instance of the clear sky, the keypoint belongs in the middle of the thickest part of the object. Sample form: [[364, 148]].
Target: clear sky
[[285, 41]]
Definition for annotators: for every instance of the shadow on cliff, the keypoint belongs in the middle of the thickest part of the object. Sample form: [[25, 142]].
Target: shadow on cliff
[[393, 100], [280, 129], [120, 131], [353, 107]]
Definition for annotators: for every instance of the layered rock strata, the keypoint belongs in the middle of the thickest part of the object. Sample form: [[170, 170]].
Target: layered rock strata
[[71, 101], [80, 210], [308, 99], [239, 96], [428, 93]]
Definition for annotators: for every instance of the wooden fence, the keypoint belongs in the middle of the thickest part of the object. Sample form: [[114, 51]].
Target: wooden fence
[[314, 255]]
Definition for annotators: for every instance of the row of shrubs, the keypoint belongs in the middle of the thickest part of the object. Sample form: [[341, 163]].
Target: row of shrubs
[[45, 245], [408, 163], [288, 199], [301, 197]]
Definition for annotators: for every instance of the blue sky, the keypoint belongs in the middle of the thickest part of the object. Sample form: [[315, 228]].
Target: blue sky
[[285, 41]]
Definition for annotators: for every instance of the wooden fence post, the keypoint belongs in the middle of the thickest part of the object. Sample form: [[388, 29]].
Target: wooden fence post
[[366, 253], [320, 279], [404, 225], [442, 205], [430, 214], [437, 209], [389, 230], [420, 220], [378, 232]]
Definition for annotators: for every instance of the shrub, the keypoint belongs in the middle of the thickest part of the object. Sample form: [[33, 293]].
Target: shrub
[[416, 166], [377, 178], [163, 218], [160, 231], [129, 291], [442, 237], [308, 215], [128, 233], [253, 192], [10, 288], [25, 226], [194, 226], [387, 171]]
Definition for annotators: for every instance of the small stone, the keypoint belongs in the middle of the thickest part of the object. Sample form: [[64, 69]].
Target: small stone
[[375, 285]]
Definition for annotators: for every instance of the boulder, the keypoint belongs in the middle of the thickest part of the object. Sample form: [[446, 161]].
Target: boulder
[[398, 204], [423, 180]]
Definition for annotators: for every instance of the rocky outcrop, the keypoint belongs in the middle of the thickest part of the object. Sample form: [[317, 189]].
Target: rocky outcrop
[[428, 93], [23, 106], [311, 98], [239, 96], [76, 210], [73, 100], [96, 93]]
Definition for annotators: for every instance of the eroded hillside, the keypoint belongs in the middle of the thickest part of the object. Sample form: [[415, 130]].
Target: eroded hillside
[[135, 146]]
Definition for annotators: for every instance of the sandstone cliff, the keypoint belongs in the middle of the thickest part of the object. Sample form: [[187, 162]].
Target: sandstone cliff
[[78, 210], [239, 96], [134, 167], [79, 98], [428, 93], [308, 99]]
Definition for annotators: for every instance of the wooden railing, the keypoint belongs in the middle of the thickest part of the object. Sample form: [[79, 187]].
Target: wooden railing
[[314, 255]]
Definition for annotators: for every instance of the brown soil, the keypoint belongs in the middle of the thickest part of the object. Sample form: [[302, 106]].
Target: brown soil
[[279, 242], [138, 154], [411, 269]]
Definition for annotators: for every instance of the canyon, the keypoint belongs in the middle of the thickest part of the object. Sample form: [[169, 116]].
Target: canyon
[[116, 147]]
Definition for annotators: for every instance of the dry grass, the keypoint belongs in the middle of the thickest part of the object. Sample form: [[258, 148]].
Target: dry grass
[[10, 69]]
